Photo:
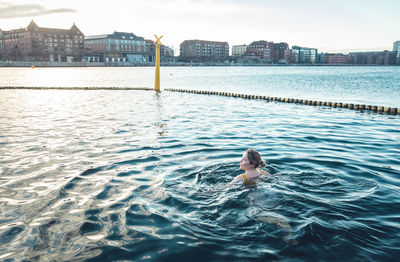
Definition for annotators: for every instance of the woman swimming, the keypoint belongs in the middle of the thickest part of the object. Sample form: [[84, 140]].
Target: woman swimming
[[250, 162]]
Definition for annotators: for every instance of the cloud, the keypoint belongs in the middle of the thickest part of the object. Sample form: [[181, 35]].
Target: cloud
[[9, 10]]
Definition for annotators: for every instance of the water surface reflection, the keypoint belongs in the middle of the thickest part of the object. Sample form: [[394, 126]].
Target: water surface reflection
[[114, 175]]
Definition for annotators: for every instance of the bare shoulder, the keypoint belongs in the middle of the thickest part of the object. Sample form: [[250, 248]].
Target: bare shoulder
[[239, 177], [263, 172]]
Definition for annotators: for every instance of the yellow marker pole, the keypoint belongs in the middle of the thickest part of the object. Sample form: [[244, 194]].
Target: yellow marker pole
[[157, 64], [157, 78]]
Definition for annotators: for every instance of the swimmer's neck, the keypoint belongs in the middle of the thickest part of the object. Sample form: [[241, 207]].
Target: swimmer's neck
[[252, 173]]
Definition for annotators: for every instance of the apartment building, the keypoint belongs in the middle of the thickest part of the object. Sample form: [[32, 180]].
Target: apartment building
[[373, 58], [1, 45], [239, 50], [202, 50], [303, 55], [166, 52], [268, 51], [396, 48], [281, 53], [116, 47], [333, 58], [260, 50], [35, 43]]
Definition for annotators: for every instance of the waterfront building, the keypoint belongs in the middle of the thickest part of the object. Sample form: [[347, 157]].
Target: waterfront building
[[294, 56], [239, 50], [268, 52], [166, 52], [203, 51], [116, 47], [396, 48], [151, 50], [303, 55], [335, 58], [1, 45], [281, 53], [320, 58], [35, 43], [260, 50], [373, 58]]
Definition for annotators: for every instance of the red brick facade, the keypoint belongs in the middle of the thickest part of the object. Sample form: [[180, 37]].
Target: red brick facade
[[373, 58], [336, 59], [269, 51], [204, 50], [35, 43]]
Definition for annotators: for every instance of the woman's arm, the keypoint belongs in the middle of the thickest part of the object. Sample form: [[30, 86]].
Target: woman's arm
[[236, 180]]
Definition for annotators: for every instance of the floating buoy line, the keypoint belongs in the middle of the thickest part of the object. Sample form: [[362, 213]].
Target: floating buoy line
[[351, 106], [361, 107]]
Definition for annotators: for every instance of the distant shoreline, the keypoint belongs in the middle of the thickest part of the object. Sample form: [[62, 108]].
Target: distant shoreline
[[177, 64]]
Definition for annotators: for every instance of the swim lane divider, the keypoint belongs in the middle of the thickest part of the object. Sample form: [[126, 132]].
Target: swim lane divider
[[377, 109]]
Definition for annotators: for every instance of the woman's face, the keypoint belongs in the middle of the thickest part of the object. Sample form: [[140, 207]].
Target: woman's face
[[245, 163]]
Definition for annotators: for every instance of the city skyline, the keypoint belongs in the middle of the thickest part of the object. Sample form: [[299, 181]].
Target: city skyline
[[330, 26]]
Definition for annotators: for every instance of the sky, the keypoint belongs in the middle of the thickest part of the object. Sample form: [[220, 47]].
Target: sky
[[328, 25]]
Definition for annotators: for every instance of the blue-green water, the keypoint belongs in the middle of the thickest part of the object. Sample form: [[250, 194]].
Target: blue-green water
[[135, 175], [363, 85]]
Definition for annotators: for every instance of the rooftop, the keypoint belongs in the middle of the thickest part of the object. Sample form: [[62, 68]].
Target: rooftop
[[116, 35]]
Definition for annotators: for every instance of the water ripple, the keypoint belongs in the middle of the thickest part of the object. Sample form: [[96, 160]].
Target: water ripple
[[145, 178]]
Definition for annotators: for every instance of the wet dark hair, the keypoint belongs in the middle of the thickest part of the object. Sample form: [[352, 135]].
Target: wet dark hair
[[255, 158]]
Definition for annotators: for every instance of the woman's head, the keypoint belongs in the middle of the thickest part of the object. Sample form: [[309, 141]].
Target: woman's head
[[251, 159]]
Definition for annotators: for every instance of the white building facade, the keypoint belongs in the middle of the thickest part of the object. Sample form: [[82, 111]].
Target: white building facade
[[304, 55], [239, 50]]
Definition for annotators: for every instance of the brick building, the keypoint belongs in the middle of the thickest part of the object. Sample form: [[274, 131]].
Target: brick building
[[115, 47], [260, 50], [202, 51], [35, 43], [373, 58], [335, 58], [281, 53], [166, 53], [268, 51], [1, 45]]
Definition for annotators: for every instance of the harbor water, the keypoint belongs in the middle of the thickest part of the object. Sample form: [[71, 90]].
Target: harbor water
[[132, 175]]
